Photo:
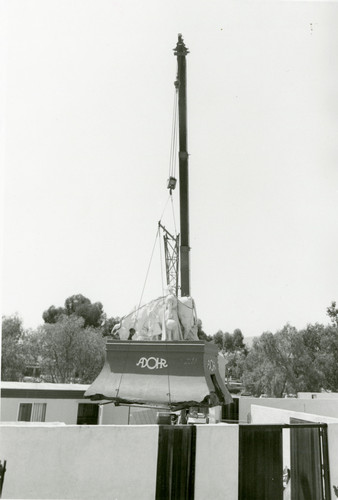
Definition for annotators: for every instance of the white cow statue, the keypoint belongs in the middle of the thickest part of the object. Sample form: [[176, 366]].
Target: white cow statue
[[166, 318]]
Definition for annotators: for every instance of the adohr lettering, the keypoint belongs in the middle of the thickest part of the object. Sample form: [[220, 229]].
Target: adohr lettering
[[152, 363]]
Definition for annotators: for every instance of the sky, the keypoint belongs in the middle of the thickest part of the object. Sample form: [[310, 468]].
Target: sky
[[87, 94]]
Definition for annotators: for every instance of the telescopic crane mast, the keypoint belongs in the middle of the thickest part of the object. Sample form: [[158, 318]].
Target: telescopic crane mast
[[181, 51]]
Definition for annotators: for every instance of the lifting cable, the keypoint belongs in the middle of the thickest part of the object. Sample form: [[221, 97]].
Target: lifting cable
[[168, 393], [173, 212], [147, 274], [173, 145], [172, 173], [174, 148], [165, 206], [137, 311], [152, 252], [161, 262]]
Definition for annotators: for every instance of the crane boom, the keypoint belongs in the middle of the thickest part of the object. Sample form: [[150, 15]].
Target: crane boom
[[181, 51]]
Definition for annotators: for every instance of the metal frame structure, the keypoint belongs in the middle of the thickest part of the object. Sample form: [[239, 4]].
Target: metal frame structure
[[171, 251]]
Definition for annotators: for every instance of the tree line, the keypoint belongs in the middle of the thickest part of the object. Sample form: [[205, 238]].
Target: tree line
[[287, 361], [69, 347]]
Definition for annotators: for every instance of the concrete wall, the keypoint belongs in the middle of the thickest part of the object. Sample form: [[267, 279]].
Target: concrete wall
[[216, 475], [45, 461], [328, 408], [265, 415], [333, 455], [117, 415], [79, 462], [317, 395]]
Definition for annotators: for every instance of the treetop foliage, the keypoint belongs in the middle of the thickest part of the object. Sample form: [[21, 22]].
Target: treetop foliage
[[12, 357], [228, 342], [12, 327], [332, 312], [292, 361], [80, 306]]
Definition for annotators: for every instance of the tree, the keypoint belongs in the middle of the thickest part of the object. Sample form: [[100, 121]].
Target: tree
[[31, 349], [12, 327], [238, 340], [224, 341], [332, 312], [234, 362], [228, 342], [77, 305], [89, 356], [326, 359], [71, 352], [234, 351], [12, 357], [312, 339], [53, 314], [74, 302], [282, 363], [219, 339], [91, 313], [258, 370]]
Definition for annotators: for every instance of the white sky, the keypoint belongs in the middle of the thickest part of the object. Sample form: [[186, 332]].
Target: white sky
[[88, 101]]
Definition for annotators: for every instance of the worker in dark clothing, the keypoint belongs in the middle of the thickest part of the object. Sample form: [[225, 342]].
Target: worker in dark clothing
[[131, 333]]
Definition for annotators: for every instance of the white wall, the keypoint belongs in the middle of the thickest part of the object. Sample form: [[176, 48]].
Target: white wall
[[328, 408], [46, 461], [317, 395], [333, 455], [216, 475], [117, 415], [79, 462], [266, 415]]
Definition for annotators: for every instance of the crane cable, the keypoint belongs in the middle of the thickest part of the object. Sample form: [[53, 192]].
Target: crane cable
[[174, 149], [165, 206], [173, 213], [153, 250], [161, 262], [147, 274], [173, 145], [172, 173]]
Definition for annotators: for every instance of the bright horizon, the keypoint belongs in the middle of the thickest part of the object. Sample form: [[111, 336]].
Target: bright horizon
[[88, 94]]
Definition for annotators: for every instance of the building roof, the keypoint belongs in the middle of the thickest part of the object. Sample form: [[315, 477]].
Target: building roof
[[33, 390], [43, 386]]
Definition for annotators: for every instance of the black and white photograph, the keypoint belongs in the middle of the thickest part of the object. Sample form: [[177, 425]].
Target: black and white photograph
[[169, 250]]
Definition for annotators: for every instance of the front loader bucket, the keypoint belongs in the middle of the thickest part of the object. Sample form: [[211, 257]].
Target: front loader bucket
[[171, 374]]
